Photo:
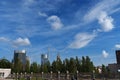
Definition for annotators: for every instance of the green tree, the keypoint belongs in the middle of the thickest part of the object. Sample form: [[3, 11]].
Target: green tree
[[63, 67], [67, 64], [34, 67], [39, 68], [48, 66], [44, 68], [83, 64], [78, 64], [27, 66], [54, 69], [104, 70], [17, 66], [4, 63], [72, 67], [59, 65], [89, 65]]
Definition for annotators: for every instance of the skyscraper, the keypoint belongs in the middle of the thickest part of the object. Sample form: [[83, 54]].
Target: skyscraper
[[21, 55], [44, 59], [118, 56]]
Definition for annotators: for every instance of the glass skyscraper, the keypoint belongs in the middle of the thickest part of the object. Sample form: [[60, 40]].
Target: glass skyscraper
[[44, 59], [118, 56], [21, 55]]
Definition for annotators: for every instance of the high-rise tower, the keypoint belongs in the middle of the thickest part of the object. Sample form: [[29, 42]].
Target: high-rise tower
[[118, 56], [21, 55], [44, 59]]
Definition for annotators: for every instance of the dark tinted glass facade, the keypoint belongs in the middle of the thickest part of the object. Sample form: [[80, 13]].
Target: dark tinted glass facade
[[118, 56], [21, 56]]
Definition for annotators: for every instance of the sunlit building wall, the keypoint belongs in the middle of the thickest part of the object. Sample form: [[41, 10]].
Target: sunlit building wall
[[44, 59]]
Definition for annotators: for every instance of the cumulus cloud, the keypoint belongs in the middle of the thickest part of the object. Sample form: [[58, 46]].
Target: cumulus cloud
[[106, 6], [55, 22], [105, 54], [16, 43], [101, 12], [3, 39], [21, 42], [105, 21], [82, 40], [117, 46]]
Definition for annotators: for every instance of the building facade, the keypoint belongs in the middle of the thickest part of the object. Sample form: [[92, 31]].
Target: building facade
[[44, 59], [4, 73], [115, 67], [21, 55], [118, 56]]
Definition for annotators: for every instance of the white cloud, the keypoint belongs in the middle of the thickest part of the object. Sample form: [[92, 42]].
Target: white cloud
[[82, 40], [115, 10], [55, 22], [117, 46], [105, 21], [100, 12], [3, 39], [106, 6], [42, 14], [105, 54], [16, 43], [21, 42]]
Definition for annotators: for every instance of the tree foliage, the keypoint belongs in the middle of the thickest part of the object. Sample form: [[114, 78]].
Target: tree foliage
[[27, 66], [72, 65], [4, 63], [34, 67], [17, 66]]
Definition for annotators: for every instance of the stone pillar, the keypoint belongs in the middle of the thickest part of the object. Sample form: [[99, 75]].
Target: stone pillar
[[51, 73], [77, 75], [25, 75], [58, 75], [42, 75], [17, 76], [93, 75], [31, 75], [67, 75], [13, 75], [21, 75]]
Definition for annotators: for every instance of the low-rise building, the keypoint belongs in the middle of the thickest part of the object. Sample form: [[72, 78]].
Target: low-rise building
[[114, 67], [4, 73]]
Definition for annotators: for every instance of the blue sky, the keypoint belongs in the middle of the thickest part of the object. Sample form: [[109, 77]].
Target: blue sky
[[68, 27]]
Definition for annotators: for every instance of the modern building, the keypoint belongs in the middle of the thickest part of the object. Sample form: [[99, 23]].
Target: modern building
[[21, 55], [118, 56], [44, 59], [115, 67]]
